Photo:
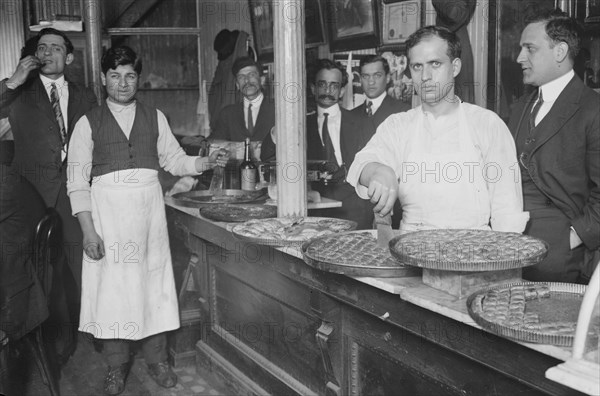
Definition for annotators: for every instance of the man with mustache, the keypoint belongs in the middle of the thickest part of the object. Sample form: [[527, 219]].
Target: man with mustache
[[336, 135], [43, 107], [557, 133], [254, 117], [451, 164]]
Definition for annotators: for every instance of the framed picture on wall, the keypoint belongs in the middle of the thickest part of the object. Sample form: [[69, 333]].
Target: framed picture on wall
[[400, 20], [401, 85], [261, 18], [314, 23], [352, 24]]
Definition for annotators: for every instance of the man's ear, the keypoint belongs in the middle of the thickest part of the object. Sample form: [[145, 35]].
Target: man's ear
[[343, 91], [69, 59], [103, 79], [456, 66], [388, 79], [561, 51], [313, 90], [263, 80]]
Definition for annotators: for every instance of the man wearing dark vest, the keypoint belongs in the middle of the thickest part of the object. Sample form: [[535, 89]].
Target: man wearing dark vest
[[128, 290], [557, 134]]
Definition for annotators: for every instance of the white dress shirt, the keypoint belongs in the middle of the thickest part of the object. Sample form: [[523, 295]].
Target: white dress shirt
[[334, 124], [550, 92], [376, 102], [255, 108], [62, 88], [171, 156]]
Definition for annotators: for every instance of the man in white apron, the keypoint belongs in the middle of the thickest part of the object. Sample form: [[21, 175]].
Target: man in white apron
[[451, 164], [128, 290]]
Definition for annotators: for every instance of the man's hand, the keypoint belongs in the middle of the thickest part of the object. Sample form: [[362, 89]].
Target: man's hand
[[219, 157], [25, 66], [382, 186], [93, 245]]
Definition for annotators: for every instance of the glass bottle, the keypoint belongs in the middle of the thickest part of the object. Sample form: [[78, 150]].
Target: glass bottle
[[248, 170]]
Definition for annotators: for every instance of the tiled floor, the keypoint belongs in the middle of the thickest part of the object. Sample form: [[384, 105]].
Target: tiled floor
[[84, 373]]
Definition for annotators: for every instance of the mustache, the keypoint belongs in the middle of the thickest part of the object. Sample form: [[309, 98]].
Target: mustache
[[330, 97]]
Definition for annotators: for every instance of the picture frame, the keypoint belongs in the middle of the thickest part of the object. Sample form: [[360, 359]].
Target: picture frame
[[261, 19], [314, 23], [592, 11], [400, 20], [353, 24]]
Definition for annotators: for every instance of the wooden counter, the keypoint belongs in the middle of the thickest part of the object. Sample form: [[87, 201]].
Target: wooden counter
[[275, 325]]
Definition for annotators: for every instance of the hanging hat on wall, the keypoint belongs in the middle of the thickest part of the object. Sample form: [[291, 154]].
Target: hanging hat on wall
[[224, 43]]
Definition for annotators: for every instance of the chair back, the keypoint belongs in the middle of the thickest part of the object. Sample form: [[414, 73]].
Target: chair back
[[47, 247]]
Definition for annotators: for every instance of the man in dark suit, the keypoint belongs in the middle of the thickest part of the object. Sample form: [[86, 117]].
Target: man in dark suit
[[43, 108], [374, 78], [557, 134], [335, 135], [252, 118]]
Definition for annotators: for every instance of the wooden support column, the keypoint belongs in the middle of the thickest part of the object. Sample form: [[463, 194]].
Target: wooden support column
[[93, 40], [290, 106]]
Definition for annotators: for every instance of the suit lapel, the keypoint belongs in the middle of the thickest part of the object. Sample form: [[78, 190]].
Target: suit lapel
[[562, 110], [39, 97]]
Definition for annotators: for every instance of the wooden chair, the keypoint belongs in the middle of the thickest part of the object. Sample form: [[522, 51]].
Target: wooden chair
[[46, 250]]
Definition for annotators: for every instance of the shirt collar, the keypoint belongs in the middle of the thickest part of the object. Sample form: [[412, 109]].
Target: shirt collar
[[552, 89], [332, 111], [118, 108], [60, 82], [256, 102], [378, 100]]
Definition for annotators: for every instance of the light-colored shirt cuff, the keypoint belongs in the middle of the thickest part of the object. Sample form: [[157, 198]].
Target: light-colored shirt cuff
[[354, 179], [515, 222], [81, 201]]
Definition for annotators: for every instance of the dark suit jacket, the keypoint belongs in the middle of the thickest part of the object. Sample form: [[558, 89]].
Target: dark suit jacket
[[565, 162], [354, 135], [37, 135], [22, 302], [388, 107], [230, 125]]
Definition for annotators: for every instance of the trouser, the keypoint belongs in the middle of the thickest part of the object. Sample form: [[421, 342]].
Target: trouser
[[154, 350], [562, 264]]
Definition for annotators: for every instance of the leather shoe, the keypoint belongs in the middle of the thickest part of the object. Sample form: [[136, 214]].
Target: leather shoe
[[114, 382], [163, 374]]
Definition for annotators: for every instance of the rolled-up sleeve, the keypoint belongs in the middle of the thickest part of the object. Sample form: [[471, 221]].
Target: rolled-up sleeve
[[171, 156], [503, 178], [79, 166]]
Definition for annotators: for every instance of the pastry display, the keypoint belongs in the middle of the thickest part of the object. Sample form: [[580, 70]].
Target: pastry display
[[467, 250], [529, 311], [283, 231], [353, 253]]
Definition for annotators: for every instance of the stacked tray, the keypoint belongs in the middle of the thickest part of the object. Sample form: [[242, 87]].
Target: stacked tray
[[533, 312], [238, 213], [467, 250], [196, 199], [287, 231], [354, 253]]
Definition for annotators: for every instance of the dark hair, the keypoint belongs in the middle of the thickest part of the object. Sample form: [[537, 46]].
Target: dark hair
[[327, 64], [245, 61], [374, 59], [560, 28], [454, 47], [47, 31], [120, 56], [30, 47]]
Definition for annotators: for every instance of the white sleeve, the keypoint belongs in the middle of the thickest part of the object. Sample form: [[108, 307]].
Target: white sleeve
[[503, 179], [79, 166], [383, 148], [171, 156]]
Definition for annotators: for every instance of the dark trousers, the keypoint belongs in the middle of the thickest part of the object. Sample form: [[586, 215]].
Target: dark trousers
[[353, 207], [154, 350], [562, 264]]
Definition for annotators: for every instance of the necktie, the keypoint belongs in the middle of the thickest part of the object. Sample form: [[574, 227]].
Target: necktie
[[535, 112], [250, 120], [327, 143], [369, 108], [54, 99]]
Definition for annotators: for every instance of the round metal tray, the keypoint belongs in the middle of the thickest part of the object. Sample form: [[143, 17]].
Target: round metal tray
[[196, 199], [468, 250], [290, 236], [238, 212], [562, 306], [354, 253]]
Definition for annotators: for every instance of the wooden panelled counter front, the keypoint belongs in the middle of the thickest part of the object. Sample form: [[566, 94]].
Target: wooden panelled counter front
[[278, 326]]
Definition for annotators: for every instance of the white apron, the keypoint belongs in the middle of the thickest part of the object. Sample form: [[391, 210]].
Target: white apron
[[130, 292], [444, 189]]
